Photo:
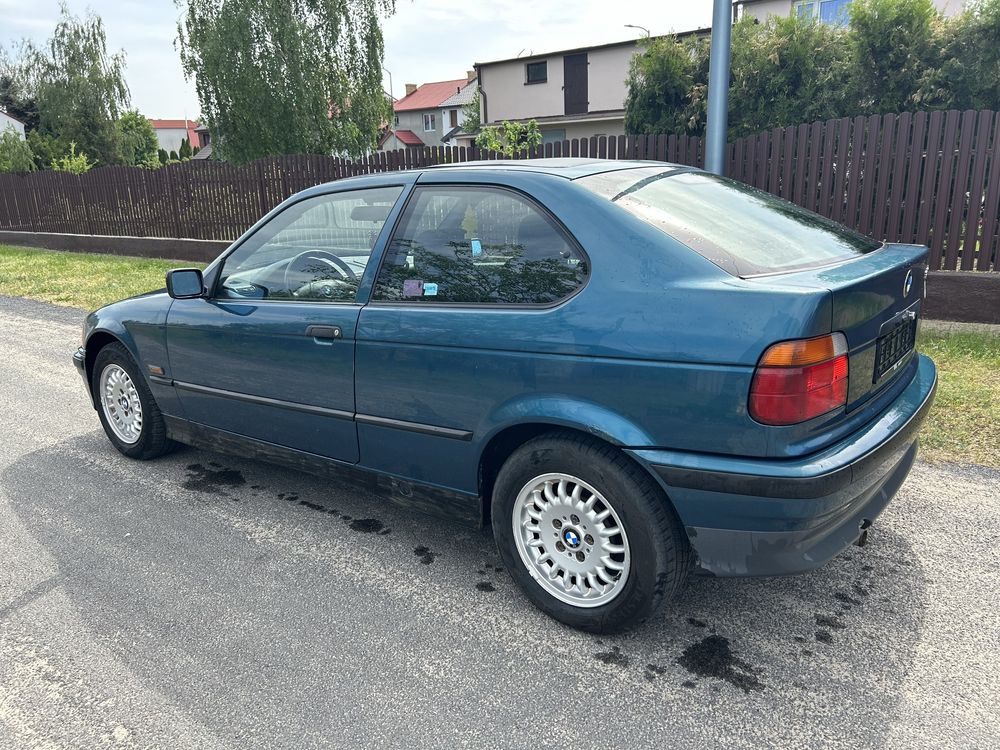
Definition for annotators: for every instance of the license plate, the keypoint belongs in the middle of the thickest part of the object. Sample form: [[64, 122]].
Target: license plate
[[894, 345]]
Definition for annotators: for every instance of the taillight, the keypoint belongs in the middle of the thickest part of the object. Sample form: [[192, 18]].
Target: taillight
[[798, 380]]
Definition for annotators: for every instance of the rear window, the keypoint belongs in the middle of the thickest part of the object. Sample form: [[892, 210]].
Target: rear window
[[745, 231]]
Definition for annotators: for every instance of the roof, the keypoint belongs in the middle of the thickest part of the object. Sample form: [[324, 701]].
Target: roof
[[609, 45], [464, 96], [458, 131], [429, 95], [408, 137], [204, 153], [9, 116], [190, 126]]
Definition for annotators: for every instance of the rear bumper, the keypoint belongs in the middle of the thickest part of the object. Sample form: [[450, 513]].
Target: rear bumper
[[776, 517]]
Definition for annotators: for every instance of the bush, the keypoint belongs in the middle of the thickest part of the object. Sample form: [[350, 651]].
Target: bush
[[893, 56], [185, 150], [76, 163], [15, 153], [137, 140]]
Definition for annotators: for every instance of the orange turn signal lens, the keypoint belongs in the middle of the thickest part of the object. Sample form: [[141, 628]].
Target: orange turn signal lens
[[805, 351]]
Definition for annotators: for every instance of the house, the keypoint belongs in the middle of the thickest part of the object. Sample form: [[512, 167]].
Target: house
[[170, 133], [422, 117], [574, 93], [202, 142], [453, 113], [828, 11], [9, 121]]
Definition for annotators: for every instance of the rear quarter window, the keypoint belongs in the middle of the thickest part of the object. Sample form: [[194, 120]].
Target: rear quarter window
[[745, 231]]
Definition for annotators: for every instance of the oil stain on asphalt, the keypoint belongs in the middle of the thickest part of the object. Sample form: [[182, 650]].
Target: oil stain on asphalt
[[201, 478], [614, 657], [713, 657], [425, 554]]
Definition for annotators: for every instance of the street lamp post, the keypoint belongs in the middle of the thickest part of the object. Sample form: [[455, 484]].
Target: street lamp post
[[641, 28], [718, 87]]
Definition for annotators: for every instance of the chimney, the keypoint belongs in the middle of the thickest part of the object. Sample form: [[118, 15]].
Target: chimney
[[410, 88], [470, 76]]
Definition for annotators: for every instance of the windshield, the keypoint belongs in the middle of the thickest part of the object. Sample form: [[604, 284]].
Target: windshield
[[739, 228]]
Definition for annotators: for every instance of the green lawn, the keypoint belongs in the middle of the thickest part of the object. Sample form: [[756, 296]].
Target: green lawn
[[964, 425], [79, 279]]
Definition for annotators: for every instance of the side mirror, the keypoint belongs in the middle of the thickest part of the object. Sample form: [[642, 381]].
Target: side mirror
[[185, 283]]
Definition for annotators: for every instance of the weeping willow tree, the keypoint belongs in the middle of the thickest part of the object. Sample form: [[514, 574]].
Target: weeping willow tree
[[286, 76]]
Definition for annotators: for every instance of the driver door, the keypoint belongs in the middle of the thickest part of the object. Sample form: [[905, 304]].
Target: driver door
[[270, 353]]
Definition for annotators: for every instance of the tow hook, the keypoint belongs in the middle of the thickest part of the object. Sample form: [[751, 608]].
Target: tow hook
[[863, 538]]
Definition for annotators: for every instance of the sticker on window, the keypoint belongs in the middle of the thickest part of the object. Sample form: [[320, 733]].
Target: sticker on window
[[413, 288], [430, 289], [477, 247]]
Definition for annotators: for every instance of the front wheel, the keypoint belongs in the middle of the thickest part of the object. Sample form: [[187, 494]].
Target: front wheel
[[129, 415], [586, 533]]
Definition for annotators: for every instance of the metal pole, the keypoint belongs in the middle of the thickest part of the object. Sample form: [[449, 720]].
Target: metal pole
[[718, 87]]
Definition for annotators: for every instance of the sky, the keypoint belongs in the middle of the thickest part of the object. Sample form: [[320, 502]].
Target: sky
[[425, 40]]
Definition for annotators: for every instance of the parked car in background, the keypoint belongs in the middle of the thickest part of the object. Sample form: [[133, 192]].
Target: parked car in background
[[632, 370]]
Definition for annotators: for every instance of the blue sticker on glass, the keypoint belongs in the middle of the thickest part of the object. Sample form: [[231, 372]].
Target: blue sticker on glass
[[430, 289], [477, 247]]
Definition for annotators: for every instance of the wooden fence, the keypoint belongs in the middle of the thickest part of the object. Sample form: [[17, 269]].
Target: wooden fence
[[929, 178]]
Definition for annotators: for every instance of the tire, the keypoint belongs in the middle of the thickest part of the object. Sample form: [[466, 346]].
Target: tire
[[150, 439], [656, 557]]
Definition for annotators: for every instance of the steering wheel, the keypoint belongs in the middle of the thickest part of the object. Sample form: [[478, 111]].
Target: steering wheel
[[300, 264]]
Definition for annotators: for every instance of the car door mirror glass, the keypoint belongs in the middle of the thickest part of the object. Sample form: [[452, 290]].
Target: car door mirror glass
[[185, 283]]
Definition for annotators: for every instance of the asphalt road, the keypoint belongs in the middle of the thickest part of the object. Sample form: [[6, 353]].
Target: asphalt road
[[204, 601]]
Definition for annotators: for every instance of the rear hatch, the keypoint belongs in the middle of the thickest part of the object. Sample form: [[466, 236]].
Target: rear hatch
[[876, 302]]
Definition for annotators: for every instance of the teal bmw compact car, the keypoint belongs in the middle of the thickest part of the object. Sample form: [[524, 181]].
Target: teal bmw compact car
[[633, 371]]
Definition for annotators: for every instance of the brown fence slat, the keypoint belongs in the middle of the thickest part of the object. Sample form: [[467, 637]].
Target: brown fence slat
[[976, 189]]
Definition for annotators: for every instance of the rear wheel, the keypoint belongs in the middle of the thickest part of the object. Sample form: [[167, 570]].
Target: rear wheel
[[128, 413], [586, 533]]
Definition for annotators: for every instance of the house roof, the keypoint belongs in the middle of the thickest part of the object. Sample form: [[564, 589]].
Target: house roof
[[204, 152], [464, 96], [189, 125], [9, 116], [408, 137], [429, 95]]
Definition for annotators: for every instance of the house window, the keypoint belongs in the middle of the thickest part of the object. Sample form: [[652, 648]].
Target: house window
[[430, 123], [536, 72], [828, 11], [453, 118]]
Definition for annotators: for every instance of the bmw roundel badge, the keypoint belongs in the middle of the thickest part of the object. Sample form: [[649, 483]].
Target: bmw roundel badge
[[571, 538]]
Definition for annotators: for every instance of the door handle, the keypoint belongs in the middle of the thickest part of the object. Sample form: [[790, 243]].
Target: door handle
[[324, 332]]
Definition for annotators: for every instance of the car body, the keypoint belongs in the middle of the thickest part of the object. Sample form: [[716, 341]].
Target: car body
[[644, 338]]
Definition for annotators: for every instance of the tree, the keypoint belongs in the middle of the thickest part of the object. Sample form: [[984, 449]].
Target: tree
[[471, 120], [662, 82], [15, 153], [184, 152], [45, 148], [892, 43], [73, 162], [303, 76], [163, 156], [15, 97], [969, 75], [137, 140], [510, 138], [173, 156], [80, 88], [787, 71]]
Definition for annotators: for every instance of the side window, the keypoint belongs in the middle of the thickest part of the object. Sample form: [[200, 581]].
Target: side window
[[314, 251], [477, 245]]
